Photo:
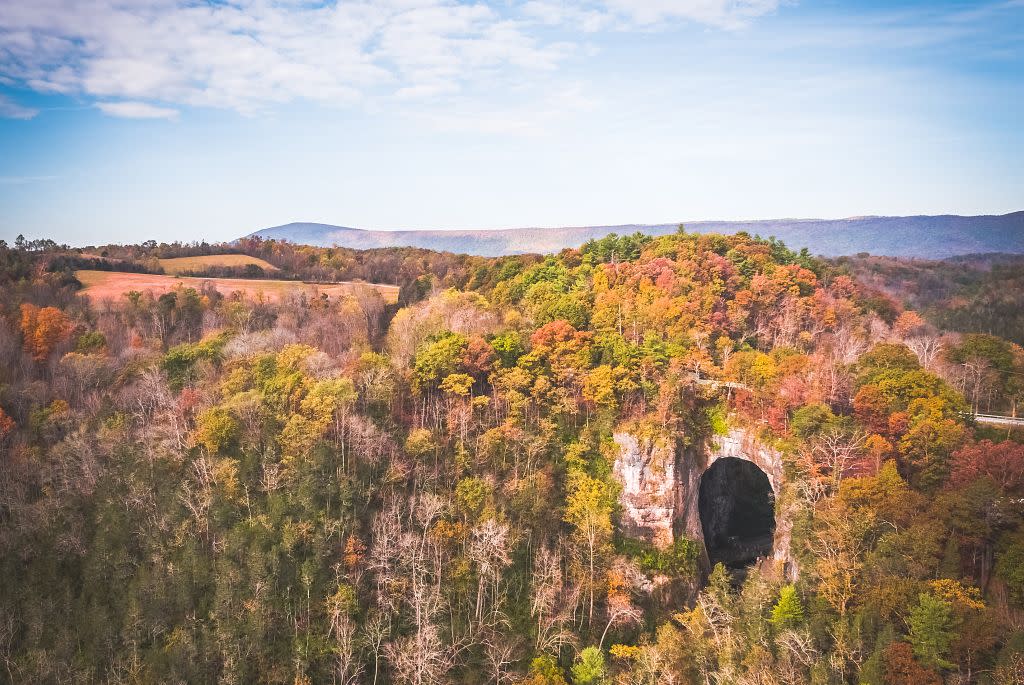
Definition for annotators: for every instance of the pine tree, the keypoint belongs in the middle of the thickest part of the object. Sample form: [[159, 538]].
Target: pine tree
[[589, 668], [788, 611], [932, 629]]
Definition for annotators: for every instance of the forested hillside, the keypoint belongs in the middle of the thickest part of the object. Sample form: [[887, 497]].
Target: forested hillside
[[972, 293], [200, 488]]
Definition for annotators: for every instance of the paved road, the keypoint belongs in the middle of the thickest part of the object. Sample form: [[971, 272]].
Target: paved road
[[1000, 420]]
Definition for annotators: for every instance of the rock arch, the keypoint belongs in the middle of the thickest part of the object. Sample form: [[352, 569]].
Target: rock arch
[[737, 512], [739, 444], [661, 487]]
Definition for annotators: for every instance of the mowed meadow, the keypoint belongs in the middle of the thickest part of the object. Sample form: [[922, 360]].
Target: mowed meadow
[[112, 285], [185, 265]]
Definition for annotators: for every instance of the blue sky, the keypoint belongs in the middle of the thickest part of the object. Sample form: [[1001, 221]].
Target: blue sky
[[124, 120]]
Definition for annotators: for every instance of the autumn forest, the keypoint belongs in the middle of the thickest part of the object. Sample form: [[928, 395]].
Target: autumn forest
[[506, 476]]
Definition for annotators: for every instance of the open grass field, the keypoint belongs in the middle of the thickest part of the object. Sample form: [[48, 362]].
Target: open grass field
[[112, 285], [180, 264]]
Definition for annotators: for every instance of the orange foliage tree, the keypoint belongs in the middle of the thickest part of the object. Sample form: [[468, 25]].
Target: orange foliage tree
[[43, 329], [7, 425]]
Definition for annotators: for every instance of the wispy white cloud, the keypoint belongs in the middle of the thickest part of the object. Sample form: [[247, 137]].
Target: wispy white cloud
[[596, 15], [248, 55], [253, 53], [9, 109], [137, 110], [727, 14], [557, 12]]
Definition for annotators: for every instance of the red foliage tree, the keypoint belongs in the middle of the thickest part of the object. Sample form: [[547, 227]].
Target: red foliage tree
[[901, 668], [556, 334], [478, 358], [1002, 462], [872, 410]]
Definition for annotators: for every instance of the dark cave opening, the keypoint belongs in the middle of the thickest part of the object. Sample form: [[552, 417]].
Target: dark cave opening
[[737, 512]]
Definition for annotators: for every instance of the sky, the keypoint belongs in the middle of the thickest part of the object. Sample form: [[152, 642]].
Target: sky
[[129, 120]]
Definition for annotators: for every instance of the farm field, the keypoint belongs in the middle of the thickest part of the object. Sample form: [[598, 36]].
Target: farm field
[[103, 285], [179, 265]]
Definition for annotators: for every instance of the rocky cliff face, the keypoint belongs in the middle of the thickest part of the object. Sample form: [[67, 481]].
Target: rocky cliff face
[[661, 487], [646, 468]]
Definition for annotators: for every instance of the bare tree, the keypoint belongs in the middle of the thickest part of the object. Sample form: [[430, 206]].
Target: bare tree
[[426, 509], [375, 630], [977, 380], [499, 656], [420, 658], [797, 654], [348, 667], [383, 558], [837, 452], [8, 628], [489, 547], [928, 347], [624, 577], [546, 588]]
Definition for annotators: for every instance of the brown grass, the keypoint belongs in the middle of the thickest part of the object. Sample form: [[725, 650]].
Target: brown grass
[[112, 285], [179, 264]]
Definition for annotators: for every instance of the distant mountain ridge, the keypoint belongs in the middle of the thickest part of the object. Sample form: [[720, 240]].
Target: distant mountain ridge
[[934, 237]]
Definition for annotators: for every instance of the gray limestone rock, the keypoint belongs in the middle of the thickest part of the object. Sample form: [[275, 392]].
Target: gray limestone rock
[[661, 485]]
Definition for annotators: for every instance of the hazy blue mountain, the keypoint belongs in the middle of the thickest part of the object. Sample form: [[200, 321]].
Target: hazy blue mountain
[[903, 236]]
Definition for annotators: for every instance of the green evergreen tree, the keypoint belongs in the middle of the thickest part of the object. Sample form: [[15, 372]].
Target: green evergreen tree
[[589, 668], [788, 610], [932, 630], [719, 584]]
